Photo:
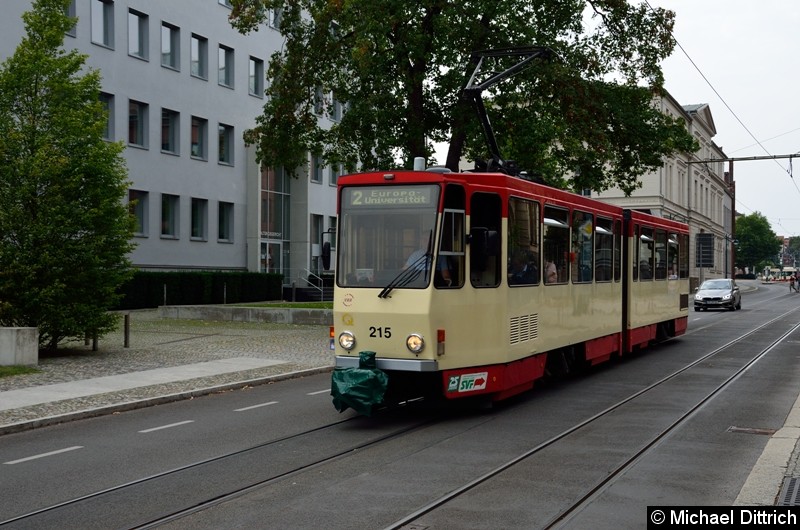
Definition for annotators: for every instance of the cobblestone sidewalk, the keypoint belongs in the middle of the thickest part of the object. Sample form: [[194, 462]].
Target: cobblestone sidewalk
[[156, 342]]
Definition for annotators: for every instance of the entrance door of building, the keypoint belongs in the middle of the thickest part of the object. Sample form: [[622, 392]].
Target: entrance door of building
[[271, 256]]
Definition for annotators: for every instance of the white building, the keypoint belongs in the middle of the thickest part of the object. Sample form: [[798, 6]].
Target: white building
[[700, 194], [181, 87]]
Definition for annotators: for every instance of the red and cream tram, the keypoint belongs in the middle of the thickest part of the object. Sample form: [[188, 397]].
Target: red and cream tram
[[480, 283]]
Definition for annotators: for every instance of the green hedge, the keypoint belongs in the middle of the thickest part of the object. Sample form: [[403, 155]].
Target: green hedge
[[147, 289]]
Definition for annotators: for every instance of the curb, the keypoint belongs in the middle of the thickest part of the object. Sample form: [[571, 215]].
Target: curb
[[160, 400]]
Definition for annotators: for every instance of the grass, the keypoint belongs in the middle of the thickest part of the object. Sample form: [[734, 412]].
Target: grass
[[8, 371]]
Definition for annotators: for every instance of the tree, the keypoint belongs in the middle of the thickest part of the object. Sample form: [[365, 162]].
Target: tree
[[757, 245], [64, 230], [399, 67]]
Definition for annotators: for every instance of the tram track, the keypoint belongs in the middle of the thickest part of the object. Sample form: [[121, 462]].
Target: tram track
[[178, 484], [239, 476], [565, 515]]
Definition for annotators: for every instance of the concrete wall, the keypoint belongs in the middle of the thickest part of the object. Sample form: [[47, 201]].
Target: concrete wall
[[322, 317], [19, 346]]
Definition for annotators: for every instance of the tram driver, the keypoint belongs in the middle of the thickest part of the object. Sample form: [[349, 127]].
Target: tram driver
[[441, 278]]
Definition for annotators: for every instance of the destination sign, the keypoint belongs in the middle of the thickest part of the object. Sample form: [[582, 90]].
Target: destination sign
[[391, 196]]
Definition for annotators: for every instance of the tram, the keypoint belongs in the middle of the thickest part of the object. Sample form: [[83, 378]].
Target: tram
[[481, 283]]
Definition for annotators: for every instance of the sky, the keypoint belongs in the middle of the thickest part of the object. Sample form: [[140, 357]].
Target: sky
[[741, 58]]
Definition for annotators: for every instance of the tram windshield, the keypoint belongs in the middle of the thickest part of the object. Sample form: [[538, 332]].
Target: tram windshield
[[387, 236]]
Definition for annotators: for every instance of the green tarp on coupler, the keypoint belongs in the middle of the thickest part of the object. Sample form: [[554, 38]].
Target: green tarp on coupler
[[359, 388]]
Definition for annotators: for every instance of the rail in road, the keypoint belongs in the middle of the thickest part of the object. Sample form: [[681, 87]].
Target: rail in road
[[545, 460]]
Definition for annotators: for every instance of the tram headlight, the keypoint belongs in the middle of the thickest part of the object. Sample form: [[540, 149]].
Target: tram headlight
[[415, 343], [347, 340]]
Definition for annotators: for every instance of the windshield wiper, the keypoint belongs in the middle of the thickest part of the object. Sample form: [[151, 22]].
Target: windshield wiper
[[408, 275]]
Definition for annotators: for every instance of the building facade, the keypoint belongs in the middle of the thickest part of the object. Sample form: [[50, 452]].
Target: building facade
[[689, 189], [181, 86]]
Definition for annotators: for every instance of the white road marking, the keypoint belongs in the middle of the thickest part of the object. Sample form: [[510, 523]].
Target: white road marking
[[167, 426], [318, 392], [255, 406], [51, 453]]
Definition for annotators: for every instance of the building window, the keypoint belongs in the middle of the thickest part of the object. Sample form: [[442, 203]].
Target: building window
[[199, 219], [170, 209], [170, 46], [316, 238], [332, 232], [137, 34], [275, 15], [108, 104], [317, 167], [319, 101], [199, 138], [225, 66], [256, 77], [336, 109], [225, 133], [103, 22], [225, 225], [170, 127], [138, 205], [199, 59], [336, 172], [137, 123], [70, 12], [226, 3]]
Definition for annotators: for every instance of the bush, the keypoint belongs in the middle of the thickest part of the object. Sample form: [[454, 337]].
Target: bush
[[153, 289]]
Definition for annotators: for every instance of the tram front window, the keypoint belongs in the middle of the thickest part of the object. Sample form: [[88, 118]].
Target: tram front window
[[387, 236]]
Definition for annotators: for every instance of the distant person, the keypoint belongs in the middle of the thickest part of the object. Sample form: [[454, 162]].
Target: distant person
[[792, 286]]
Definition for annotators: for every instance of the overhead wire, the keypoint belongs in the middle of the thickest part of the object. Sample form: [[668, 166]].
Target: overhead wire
[[758, 142]]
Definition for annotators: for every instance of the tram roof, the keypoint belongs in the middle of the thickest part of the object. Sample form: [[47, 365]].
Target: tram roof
[[505, 184]]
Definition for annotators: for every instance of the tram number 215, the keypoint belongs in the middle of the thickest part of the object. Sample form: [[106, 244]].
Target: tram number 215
[[380, 333]]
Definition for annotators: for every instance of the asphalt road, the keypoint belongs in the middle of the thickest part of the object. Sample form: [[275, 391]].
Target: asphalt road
[[321, 468]]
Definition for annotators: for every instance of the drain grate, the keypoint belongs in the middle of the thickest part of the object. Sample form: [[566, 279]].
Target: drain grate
[[790, 492]]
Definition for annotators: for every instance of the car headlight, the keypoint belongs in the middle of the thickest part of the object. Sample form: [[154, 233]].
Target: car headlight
[[698, 297], [727, 296], [415, 343], [347, 340]]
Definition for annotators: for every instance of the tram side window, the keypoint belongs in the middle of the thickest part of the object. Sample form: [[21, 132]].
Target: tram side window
[[486, 215], [646, 254], [683, 256], [555, 244], [617, 250], [660, 254], [523, 242], [604, 249], [450, 272], [582, 243], [673, 255], [451, 266]]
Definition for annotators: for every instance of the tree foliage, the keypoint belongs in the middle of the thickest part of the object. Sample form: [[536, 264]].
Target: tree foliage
[[399, 67], [64, 231], [757, 245]]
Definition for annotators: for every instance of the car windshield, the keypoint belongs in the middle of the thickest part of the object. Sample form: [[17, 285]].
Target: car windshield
[[716, 284]]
